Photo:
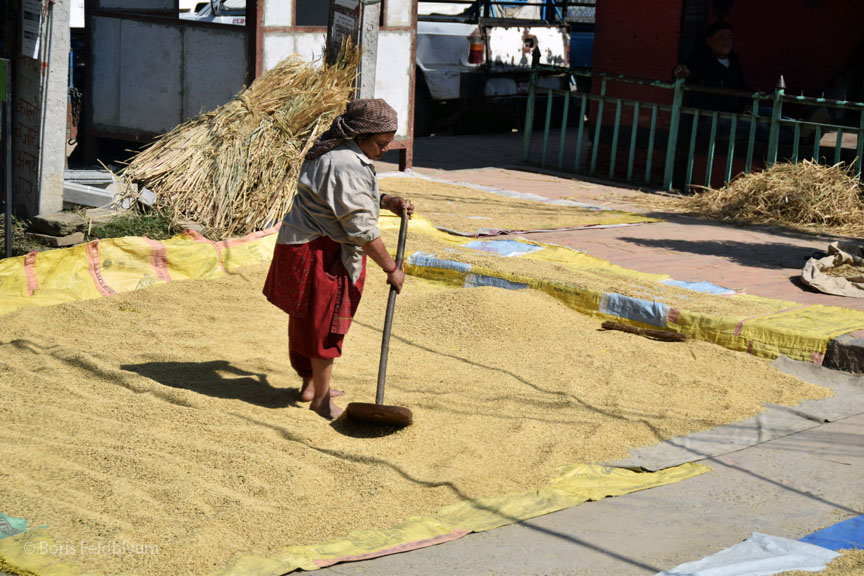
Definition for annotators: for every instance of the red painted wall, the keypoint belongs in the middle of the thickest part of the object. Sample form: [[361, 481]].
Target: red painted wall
[[807, 41]]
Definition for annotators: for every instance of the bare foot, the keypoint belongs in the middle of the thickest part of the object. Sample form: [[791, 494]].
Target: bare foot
[[307, 392], [326, 408]]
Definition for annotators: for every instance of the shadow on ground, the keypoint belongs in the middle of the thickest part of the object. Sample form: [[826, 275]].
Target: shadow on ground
[[773, 255], [218, 379]]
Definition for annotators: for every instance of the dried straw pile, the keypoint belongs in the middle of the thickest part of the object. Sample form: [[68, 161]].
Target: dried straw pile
[[235, 169], [806, 196]]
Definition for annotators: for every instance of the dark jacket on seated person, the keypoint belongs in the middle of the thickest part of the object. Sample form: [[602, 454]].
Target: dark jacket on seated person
[[707, 71]]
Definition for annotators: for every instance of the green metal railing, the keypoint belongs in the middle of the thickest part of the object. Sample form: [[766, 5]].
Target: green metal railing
[[660, 129]]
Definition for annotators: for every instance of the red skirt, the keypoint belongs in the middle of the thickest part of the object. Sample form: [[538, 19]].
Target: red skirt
[[310, 283]]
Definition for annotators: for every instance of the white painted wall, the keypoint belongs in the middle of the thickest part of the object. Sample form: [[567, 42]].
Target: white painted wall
[[394, 66], [280, 45], [393, 73]]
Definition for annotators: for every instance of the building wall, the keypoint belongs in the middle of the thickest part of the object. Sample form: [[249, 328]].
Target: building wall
[[186, 69], [279, 37], [807, 42]]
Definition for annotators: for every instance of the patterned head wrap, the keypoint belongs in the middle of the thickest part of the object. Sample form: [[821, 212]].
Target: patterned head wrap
[[366, 116]]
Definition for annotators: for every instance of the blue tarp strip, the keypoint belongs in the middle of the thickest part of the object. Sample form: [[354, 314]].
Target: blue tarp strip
[[424, 259], [645, 311], [706, 287], [478, 280], [845, 535], [504, 247]]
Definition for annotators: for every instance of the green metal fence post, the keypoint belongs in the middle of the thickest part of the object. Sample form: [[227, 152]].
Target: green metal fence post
[[563, 131], [633, 133], [595, 146], [860, 148], [671, 144], [529, 117], [549, 96], [651, 132], [776, 112], [577, 165]]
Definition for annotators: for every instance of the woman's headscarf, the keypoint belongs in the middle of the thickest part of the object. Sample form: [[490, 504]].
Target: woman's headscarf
[[365, 116]]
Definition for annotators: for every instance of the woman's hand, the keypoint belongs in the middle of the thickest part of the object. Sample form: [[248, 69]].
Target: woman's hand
[[396, 278], [398, 205]]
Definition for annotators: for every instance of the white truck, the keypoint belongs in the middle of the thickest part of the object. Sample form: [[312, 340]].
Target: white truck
[[472, 54]]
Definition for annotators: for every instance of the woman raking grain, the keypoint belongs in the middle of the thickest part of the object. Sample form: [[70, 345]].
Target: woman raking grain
[[319, 263]]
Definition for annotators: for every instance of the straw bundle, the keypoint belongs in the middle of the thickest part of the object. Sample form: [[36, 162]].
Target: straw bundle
[[806, 196], [234, 169]]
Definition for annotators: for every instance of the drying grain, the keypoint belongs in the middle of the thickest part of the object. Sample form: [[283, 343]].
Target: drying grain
[[844, 271], [467, 210], [851, 563], [169, 417], [593, 275]]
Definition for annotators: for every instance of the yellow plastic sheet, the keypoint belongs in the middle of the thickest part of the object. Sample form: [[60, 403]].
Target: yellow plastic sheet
[[577, 485], [107, 267]]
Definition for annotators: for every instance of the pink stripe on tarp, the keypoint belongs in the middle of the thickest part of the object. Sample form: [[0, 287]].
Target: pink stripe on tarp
[[92, 252], [231, 242], [199, 238], [30, 272], [673, 315], [740, 325], [817, 358], [405, 547], [749, 346], [159, 259]]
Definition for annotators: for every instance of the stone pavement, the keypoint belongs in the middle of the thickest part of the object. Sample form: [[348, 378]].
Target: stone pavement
[[757, 260]]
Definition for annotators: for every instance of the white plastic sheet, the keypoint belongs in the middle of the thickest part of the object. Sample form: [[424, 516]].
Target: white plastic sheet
[[759, 555]]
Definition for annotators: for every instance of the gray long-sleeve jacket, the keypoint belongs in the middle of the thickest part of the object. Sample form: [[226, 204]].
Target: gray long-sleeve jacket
[[338, 197]]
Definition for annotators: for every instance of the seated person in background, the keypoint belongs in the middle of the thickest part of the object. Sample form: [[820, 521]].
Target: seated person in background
[[715, 65]]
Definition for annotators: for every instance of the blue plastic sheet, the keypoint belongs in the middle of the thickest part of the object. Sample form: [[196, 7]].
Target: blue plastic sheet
[[504, 247], [846, 535], [645, 311], [706, 287]]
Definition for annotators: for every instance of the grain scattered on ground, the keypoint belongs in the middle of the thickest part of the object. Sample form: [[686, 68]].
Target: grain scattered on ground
[[590, 274], [468, 210], [169, 416], [843, 271], [851, 563]]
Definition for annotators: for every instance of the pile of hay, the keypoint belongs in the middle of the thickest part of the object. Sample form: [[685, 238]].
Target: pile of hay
[[806, 196], [234, 169]]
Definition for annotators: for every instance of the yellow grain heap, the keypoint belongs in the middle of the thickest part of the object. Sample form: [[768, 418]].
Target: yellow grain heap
[[235, 169], [168, 417]]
